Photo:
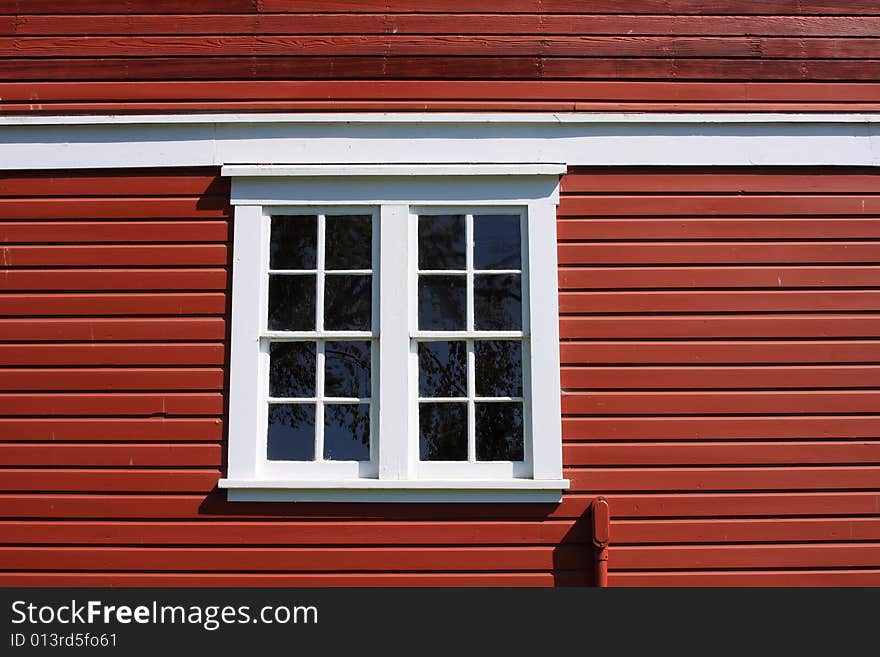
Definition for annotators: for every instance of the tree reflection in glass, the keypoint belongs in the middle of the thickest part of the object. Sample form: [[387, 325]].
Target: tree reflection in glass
[[292, 369], [497, 302], [443, 369], [292, 303], [294, 242], [349, 242], [442, 242], [499, 431], [498, 368], [443, 432], [347, 432], [347, 369], [291, 435], [442, 303], [348, 302]]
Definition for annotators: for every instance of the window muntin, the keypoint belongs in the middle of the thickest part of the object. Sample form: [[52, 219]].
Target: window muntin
[[320, 341], [470, 342]]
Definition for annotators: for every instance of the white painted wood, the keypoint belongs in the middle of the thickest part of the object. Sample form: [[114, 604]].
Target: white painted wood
[[38, 142], [543, 376], [415, 484], [395, 423], [245, 376], [455, 493], [408, 170]]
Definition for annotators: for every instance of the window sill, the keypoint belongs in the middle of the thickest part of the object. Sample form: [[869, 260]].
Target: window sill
[[376, 490]]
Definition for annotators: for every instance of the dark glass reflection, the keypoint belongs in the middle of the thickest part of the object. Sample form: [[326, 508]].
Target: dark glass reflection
[[441, 242], [292, 369], [499, 431], [443, 432], [291, 434], [443, 369], [347, 432], [497, 302], [442, 303], [349, 243], [496, 241], [347, 369], [292, 303], [498, 368], [348, 302], [294, 242]]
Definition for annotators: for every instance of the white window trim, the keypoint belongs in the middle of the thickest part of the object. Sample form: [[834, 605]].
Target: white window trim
[[396, 192]]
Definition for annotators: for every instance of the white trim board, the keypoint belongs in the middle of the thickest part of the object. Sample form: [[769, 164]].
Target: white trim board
[[324, 139]]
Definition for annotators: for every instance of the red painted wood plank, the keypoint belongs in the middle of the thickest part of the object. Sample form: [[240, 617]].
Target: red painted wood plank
[[433, 106], [214, 507], [661, 253], [133, 207], [847, 555], [742, 228], [115, 429], [739, 453], [572, 303], [442, 23], [90, 330], [95, 354], [201, 378], [381, 559], [849, 577], [389, 91], [195, 181], [760, 205], [280, 579], [705, 479], [201, 303], [124, 256], [774, 180], [720, 428], [113, 279], [132, 6], [131, 231], [744, 351], [779, 277], [253, 533], [713, 377], [721, 326], [741, 402], [128, 455], [96, 480], [12, 404], [751, 530]]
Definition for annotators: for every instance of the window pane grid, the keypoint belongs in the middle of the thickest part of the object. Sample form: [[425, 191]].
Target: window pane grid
[[469, 336], [320, 336]]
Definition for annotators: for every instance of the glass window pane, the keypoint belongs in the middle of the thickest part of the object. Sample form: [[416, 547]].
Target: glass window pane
[[291, 434], [443, 369], [292, 303], [442, 303], [441, 242], [349, 242], [294, 242], [292, 369], [497, 241], [443, 432], [499, 430], [347, 432], [348, 302], [497, 302], [347, 369], [498, 365]]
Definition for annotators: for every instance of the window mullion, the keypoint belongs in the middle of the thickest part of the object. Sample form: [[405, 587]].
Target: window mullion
[[397, 429]]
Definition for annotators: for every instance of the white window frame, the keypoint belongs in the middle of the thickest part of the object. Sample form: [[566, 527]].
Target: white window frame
[[396, 195]]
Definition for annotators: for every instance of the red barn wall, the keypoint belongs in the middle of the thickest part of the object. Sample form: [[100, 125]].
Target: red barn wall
[[407, 55], [720, 373]]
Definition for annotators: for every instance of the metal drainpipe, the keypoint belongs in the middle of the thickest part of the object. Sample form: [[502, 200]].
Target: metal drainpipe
[[601, 528]]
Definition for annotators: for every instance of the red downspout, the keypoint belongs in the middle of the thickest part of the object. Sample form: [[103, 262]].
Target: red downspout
[[601, 529]]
